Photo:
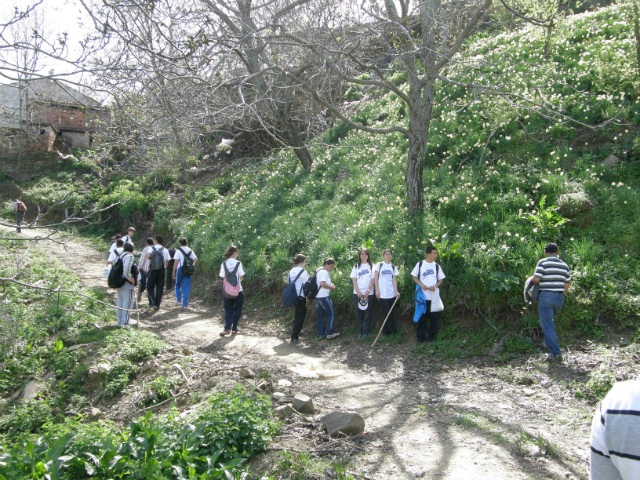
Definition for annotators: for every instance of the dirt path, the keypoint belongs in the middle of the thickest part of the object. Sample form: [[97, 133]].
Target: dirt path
[[471, 419]]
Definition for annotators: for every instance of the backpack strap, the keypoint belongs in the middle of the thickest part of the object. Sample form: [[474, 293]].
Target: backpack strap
[[297, 276], [226, 270], [235, 270]]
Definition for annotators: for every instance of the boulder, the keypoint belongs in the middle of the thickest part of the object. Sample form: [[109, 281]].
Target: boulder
[[277, 396], [32, 390], [95, 373], [303, 403], [349, 423], [285, 399], [284, 412], [49, 378], [611, 161], [246, 373]]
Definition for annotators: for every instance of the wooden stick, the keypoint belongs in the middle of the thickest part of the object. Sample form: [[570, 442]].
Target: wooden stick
[[385, 322]]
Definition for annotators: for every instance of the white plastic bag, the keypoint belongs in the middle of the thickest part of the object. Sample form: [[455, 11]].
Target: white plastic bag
[[436, 301], [107, 269]]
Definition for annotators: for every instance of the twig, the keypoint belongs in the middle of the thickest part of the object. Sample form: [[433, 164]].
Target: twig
[[486, 319], [181, 373], [163, 402]]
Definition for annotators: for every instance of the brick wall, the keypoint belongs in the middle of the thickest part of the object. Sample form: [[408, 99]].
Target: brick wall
[[63, 118]]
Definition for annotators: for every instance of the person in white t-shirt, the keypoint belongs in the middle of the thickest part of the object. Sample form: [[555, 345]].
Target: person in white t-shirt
[[363, 278], [429, 276], [386, 276], [115, 253], [114, 245], [183, 284], [232, 306], [129, 236], [324, 306], [299, 263]]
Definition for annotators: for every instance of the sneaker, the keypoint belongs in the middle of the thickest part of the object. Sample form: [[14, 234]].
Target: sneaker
[[294, 341], [332, 335], [553, 358], [186, 309], [419, 342], [321, 337], [234, 332], [156, 308], [360, 337], [225, 332]]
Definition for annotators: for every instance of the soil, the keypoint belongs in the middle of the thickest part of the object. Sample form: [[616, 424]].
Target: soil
[[474, 418]]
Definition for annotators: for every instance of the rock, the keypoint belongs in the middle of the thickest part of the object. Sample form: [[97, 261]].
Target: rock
[[284, 383], [527, 381], [528, 392], [349, 423], [210, 382], [147, 367], [303, 403], [285, 399], [284, 412], [95, 373], [193, 171], [94, 414], [49, 378], [535, 451], [246, 373], [32, 390], [263, 385], [187, 351], [76, 347], [182, 400], [277, 395], [611, 161]]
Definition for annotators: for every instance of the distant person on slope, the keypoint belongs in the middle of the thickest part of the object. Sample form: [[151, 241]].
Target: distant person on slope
[[324, 306], [386, 276], [114, 244], [553, 279], [232, 273], [615, 434], [168, 284], [113, 255], [143, 267], [299, 262], [429, 276], [20, 209], [363, 278], [158, 260], [129, 236], [183, 278], [124, 297]]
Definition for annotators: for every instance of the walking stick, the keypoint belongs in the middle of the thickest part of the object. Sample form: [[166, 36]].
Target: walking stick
[[137, 313], [385, 322]]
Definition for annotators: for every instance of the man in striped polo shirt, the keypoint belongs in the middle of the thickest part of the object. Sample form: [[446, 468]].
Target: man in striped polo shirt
[[553, 279]]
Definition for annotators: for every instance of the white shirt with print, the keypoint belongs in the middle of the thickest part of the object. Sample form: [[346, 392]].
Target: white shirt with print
[[385, 280], [323, 276], [363, 276], [293, 273], [427, 275], [231, 264]]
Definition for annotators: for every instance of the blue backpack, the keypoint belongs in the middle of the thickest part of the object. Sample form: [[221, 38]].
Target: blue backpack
[[290, 296]]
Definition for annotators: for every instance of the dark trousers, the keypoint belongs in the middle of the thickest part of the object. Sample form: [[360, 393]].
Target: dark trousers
[[390, 326], [155, 287], [169, 277], [233, 311], [142, 285], [19, 218], [421, 331], [298, 317], [363, 317]]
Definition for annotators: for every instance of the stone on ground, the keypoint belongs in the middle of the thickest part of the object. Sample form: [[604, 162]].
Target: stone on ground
[[284, 412], [303, 403], [246, 373], [349, 423], [32, 390]]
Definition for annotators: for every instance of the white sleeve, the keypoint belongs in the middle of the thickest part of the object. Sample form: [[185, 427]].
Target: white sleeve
[[240, 270], [416, 271], [441, 274], [193, 255], [222, 270]]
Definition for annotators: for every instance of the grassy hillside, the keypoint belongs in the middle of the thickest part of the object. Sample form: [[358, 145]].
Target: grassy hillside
[[489, 210]]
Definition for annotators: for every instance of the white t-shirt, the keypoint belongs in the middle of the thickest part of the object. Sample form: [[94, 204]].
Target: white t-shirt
[[323, 276], [293, 273], [179, 258], [385, 280], [112, 247], [363, 276], [165, 252], [427, 275], [231, 264], [113, 256], [126, 239]]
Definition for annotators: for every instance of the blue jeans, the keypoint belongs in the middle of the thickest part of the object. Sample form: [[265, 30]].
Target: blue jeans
[[324, 305], [185, 283], [233, 311], [548, 304]]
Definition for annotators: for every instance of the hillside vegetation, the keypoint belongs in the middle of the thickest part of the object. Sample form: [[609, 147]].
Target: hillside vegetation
[[500, 182]]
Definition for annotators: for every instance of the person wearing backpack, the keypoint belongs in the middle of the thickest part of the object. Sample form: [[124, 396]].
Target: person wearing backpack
[[232, 274], [185, 262], [324, 306], [363, 277], [168, 284], [299, 276], [20, 209], [158, 260], [115, 253], [125, 293], [386, 277], [428, 275], [114, 245], [129, 236], [143, 268]]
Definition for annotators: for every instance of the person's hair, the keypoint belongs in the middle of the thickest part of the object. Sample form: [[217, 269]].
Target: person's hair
[[159, 238], [119, 243], [130, 229], [329, 261], [128, 247], [431, 249], [387, 250], [551, 248], [230, 251], [298, 259], [364, 250], [183, 241], [118, 237], [149, 241]]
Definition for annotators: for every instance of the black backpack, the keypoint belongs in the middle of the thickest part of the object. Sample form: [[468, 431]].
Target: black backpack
[[156, 261], [311, 287], [116, 275], [291, 296], [187, 266]]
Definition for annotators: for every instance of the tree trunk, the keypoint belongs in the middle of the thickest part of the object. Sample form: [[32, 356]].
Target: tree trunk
[[419, 120], [295, 141]]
